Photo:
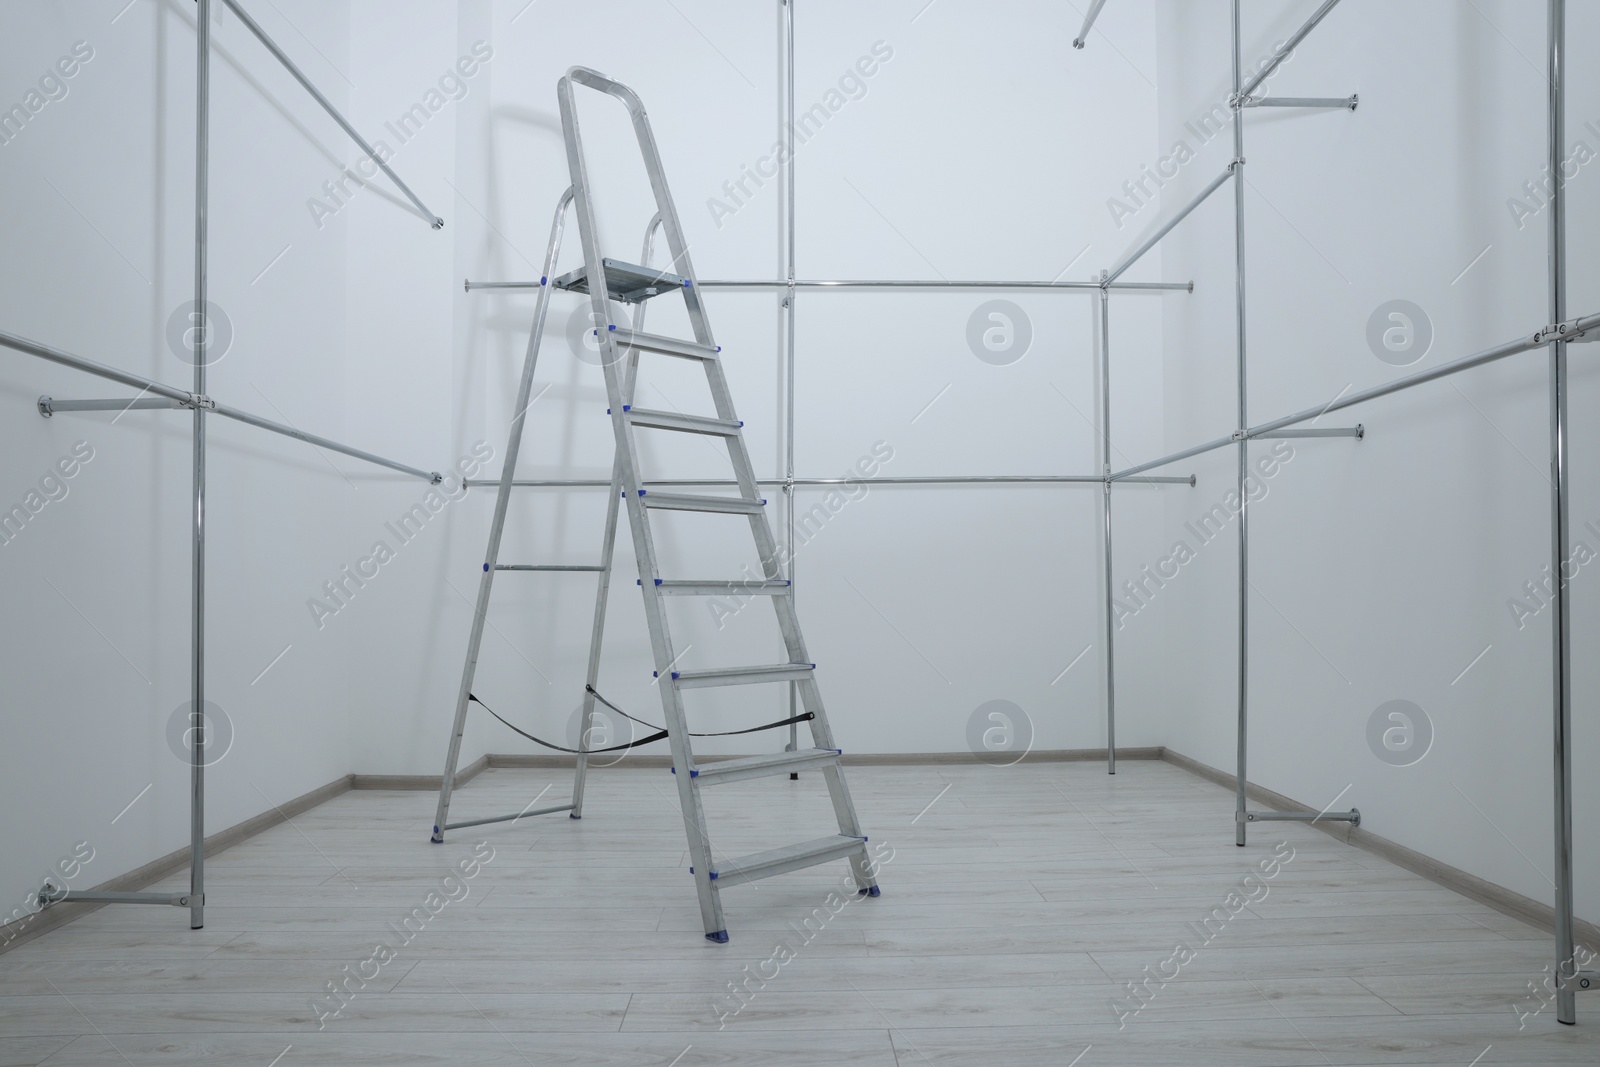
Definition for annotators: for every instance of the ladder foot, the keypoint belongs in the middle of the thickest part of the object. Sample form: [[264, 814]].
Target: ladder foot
[[437, 838], [870, 891], [720, 937], [794, 776], [573, 815]]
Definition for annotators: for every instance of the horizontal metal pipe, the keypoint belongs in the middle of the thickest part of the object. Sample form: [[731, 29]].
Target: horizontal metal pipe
[[186, 399], [1088, 23], [712, 283], [288, 64], [433, 477], [1288, 46], [1166, 228], [1357, 431], [90, 896], [1003, 479], [49, 405], [1443, 370], [1340, 102], [509, 818], [1353, 815]]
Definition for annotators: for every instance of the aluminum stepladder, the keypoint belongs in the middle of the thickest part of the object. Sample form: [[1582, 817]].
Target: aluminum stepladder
[[620, 350]]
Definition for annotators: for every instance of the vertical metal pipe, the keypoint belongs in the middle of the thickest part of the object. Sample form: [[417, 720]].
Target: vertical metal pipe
[[197, 680], [1561, 645], [789, 227], [1244, 442], [1105, 447]]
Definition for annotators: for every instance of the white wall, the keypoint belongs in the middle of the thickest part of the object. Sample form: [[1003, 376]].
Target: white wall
[[919, 604], [1381, 569]]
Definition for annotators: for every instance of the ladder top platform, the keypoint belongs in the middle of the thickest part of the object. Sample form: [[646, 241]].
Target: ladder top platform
[[627, 282]]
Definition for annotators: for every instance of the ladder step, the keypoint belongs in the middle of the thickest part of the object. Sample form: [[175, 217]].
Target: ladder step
[[788, 858], [669, 420], [728, 505], [779, 672], [735, 770], [546, 567], [627, 282], [718, 588], [667, 346]]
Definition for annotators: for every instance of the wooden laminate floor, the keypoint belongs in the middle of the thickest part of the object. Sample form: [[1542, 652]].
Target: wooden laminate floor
[[1017, 906]]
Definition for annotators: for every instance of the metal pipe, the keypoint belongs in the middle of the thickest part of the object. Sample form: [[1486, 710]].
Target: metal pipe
[[958, 479], [1281, 54], [1338, 102], [1351, 816], [89, 366], [228, 412], [1130, 260], [508, 818], [1561, 643], [92, 896], [1527, 342], [1243, 439], [49, 405], [1105, 500], [713, 283], [1197, 450], [201, 338], [288, 64], [1358, 431], [1088, 22], [195, 400], [1477, 359], [789, 334]]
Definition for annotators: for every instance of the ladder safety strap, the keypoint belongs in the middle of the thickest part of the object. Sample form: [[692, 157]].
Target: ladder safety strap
[[802, 717], [660, 733], [562, 748]]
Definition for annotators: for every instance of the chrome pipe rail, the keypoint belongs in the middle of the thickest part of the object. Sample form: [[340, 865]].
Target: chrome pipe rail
[[229, 412], [49, 405], [1560, 534], [1527, 343], [958, 479], [887, 283], [183, 399], [271, 46], [1357, 431], [1134, 257], [1088, 23], [50, 895], [1283, 53], [1338, 103]]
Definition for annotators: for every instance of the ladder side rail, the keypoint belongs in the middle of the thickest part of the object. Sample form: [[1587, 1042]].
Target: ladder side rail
[[676, 245], [497, 525], [766, 544], [644, 549], [744, 473]]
